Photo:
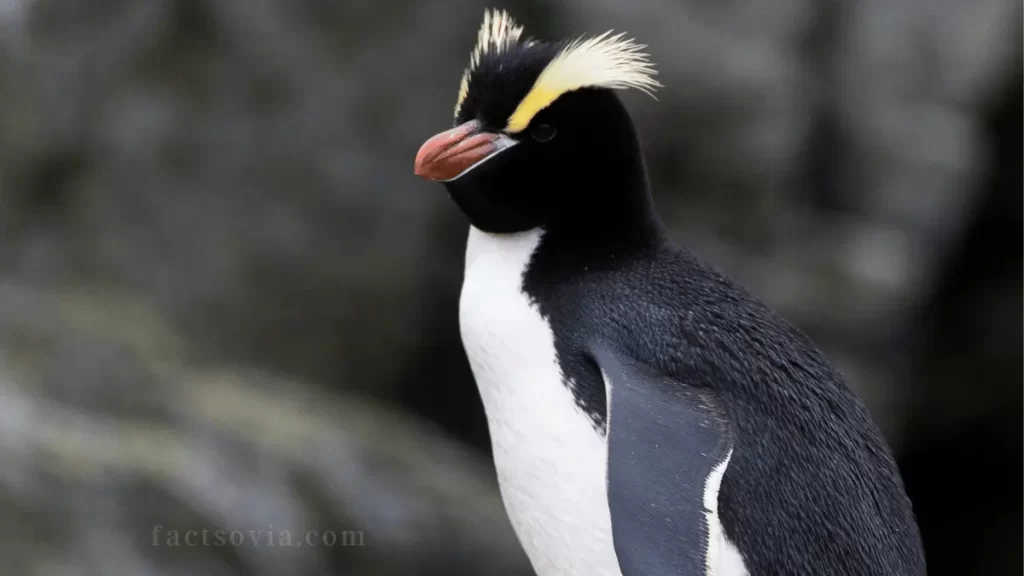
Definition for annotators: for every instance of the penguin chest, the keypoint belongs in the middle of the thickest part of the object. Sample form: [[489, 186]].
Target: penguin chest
[[550, 459]]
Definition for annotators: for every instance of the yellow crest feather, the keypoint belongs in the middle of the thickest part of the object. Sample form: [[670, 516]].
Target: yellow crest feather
[[606, 61]]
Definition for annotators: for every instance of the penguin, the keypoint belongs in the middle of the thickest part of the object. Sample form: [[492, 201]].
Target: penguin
[[648, 417]]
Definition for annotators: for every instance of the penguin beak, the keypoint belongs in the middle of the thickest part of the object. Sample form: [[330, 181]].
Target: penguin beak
[[455, 152]]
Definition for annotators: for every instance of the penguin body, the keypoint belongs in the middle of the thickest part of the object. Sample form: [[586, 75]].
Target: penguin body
[[805, 458], [648, 416]]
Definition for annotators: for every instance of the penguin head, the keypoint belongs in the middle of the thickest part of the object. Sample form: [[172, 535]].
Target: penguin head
[[538, 130]]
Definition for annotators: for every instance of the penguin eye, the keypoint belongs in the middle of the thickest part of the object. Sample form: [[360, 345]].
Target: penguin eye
[[543, 132]]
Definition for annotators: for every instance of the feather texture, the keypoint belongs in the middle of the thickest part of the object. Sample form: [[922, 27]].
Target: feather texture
[[605, 61], [498, 33]]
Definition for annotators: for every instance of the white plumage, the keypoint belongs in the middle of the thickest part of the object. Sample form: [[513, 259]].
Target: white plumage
[[551, 461]]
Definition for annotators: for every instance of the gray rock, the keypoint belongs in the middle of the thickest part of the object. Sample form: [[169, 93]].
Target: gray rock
[[116, 445]]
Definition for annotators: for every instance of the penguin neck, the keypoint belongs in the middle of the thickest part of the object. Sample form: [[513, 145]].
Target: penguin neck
[[611, 209], [618, 218]]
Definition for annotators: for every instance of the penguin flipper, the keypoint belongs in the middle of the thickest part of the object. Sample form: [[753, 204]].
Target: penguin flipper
[[668, 444]]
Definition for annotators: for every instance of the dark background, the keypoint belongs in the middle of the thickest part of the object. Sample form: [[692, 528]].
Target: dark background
[[226, 303]]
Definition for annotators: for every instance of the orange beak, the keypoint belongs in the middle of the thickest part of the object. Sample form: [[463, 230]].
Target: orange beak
[[453, 152]]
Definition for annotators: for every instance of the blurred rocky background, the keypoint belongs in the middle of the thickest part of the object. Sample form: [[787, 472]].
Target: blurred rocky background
[[226, 303]]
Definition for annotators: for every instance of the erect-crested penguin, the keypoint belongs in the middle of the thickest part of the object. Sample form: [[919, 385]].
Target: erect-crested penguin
[[648, 417]]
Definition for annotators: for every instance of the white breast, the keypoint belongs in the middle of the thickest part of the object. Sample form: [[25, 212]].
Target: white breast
[[551, 461]]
